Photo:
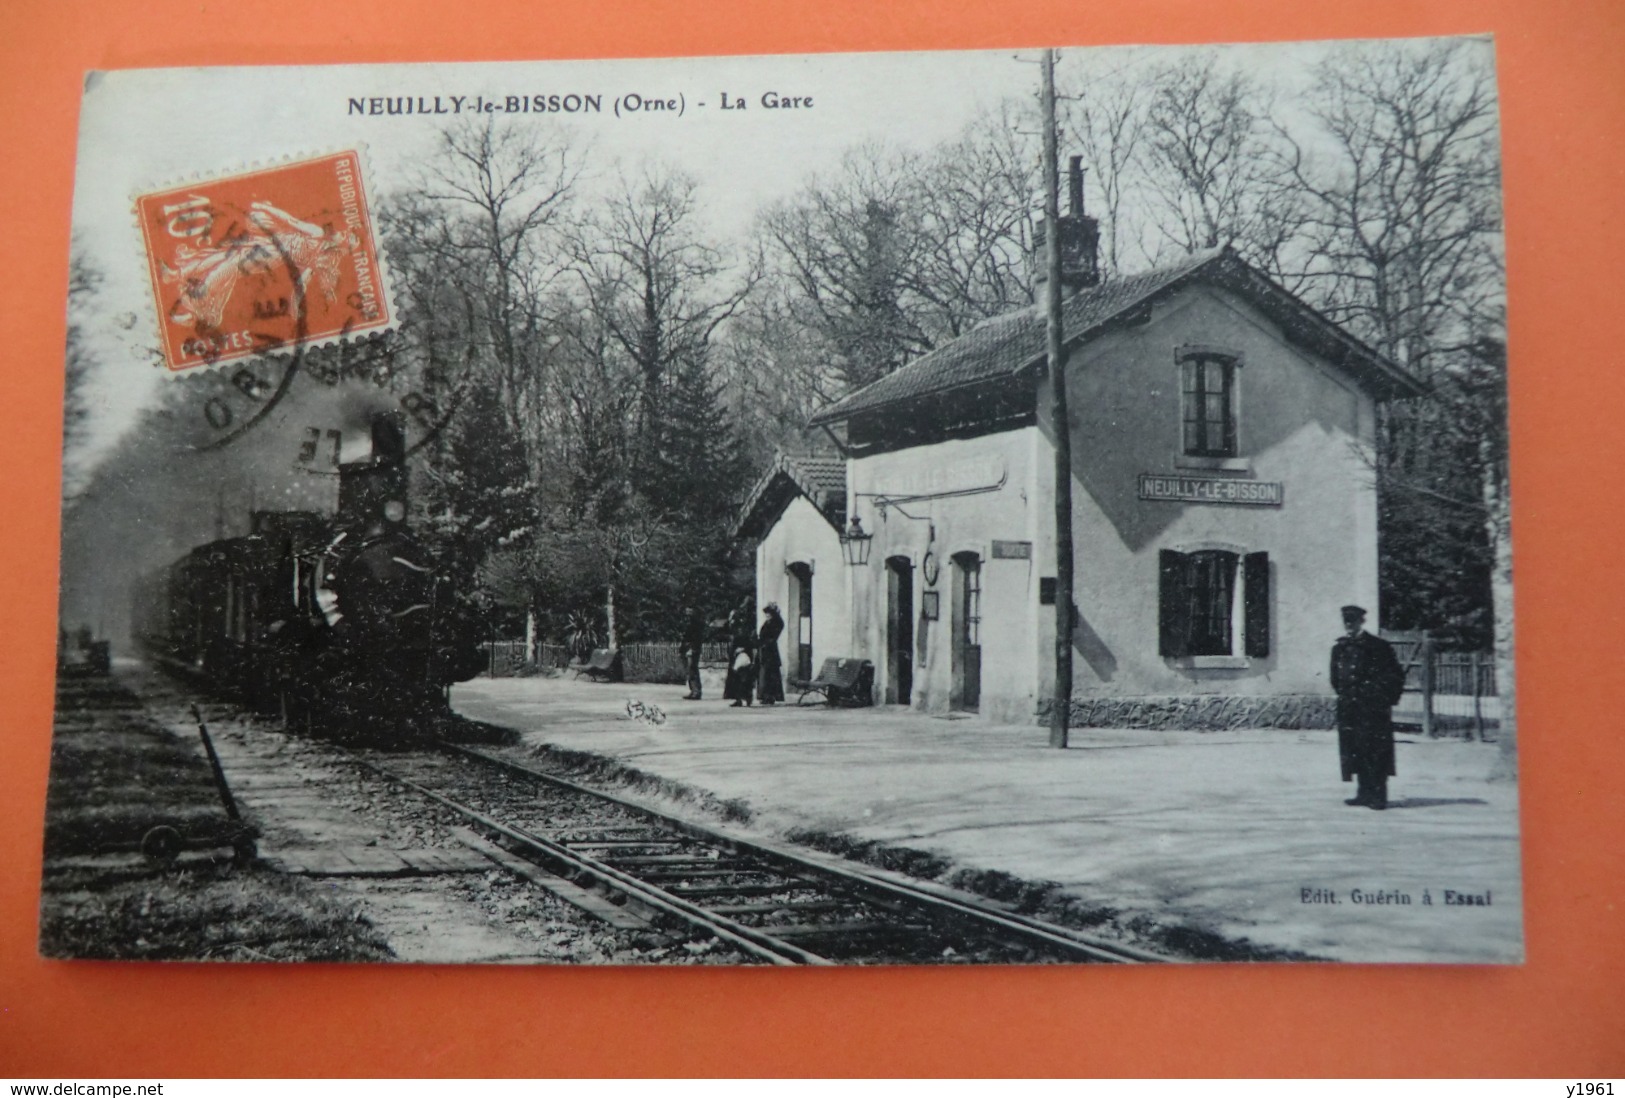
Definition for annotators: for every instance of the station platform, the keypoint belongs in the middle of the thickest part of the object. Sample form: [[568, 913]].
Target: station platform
[[1243, 835]]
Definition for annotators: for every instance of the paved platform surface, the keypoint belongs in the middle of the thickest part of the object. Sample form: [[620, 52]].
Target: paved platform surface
[[1243, 834]]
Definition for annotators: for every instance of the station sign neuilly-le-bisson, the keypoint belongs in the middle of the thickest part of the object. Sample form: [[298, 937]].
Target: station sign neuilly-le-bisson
[[1244, 493]]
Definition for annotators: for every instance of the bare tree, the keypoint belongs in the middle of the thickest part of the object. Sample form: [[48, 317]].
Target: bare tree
[[776, 374], [897, 252], [83, 282], [1482, 398], [977, 197], [838, 252], [1403, 198], [655, 288], [1403, 202], [1207, 160], [1105, 117], [629, 422], [478, 242]]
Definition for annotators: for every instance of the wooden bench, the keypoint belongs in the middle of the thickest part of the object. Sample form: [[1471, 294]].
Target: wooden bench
[[604, 665], [843, 680]]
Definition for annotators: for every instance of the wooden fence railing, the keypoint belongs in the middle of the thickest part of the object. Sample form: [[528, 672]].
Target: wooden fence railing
[[1447, 692]]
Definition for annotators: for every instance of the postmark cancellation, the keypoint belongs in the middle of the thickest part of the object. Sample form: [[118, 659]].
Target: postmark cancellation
[[274, 257]]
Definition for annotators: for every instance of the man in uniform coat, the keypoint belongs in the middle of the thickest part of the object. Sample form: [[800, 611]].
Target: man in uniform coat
[[1369, 681]]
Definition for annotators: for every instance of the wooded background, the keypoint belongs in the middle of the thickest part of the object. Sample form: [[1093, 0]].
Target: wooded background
[[636, 371]]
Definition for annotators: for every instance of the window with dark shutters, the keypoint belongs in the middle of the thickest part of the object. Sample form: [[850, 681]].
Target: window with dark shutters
[[1173, 600], [1256, 593], [1197, 596], [1212, 585]]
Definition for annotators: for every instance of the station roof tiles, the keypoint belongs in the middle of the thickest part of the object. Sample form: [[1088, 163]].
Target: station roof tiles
[[821, 479], [1006, 345]]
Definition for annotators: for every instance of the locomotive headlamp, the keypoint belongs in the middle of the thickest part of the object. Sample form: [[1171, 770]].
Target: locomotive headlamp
[[395, 510]]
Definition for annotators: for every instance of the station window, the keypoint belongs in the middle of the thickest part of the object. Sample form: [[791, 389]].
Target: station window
[[1213, 602], [1208, 391]]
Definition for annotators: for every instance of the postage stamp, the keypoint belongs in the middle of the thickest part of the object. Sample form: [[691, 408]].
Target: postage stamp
[[263, 259]]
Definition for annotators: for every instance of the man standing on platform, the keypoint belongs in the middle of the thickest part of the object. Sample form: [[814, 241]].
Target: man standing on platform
[[693, 642], [1369, 681]]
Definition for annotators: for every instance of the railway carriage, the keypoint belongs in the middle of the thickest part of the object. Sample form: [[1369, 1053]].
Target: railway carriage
[[218, 610], [348, 625]]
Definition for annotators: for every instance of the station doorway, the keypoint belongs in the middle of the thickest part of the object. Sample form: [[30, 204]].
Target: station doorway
[[966, 690], [801, 605], [899, 631]]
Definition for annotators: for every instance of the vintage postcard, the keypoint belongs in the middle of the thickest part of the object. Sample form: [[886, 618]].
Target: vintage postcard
[[974, 508]]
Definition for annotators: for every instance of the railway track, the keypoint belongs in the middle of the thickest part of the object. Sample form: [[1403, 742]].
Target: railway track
[[772, 903]]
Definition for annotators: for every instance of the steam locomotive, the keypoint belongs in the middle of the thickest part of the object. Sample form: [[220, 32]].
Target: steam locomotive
[[348, 626]]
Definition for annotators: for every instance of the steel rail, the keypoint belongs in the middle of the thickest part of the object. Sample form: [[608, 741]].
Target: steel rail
[[749, 939], [1034, 931]]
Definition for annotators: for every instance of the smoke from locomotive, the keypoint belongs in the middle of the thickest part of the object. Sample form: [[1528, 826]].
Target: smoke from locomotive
[[350, 625]]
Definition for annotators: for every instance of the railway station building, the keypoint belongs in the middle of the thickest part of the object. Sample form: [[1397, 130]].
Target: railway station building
[[1223, 498]]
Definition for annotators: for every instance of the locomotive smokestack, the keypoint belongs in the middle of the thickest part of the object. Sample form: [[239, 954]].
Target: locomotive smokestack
[[376, 488], [388, 439]]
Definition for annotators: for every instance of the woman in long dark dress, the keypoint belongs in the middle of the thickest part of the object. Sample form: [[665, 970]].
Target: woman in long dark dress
[[769, 671], [741, 681]]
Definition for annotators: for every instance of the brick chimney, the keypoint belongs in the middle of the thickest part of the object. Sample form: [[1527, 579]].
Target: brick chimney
[[1080, 239]]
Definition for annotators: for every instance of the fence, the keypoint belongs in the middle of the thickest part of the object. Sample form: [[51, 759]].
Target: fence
[[1447, 692], [641, 662]]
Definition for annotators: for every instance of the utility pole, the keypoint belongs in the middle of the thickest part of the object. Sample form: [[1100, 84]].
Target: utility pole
[[1061, 707]]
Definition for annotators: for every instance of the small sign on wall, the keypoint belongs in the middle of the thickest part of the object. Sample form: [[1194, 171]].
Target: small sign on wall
[[1012, 550], [930, 605]]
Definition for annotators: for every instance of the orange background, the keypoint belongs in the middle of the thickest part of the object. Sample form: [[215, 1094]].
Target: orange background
[[1561, 1014]]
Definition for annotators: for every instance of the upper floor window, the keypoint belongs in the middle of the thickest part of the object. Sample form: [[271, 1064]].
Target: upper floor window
[[1208, 387]]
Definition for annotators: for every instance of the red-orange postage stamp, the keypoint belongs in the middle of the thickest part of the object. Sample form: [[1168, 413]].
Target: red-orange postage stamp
[[275, 257]]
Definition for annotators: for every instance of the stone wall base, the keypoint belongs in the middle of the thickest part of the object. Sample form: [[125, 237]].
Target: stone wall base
[[1201, 713]]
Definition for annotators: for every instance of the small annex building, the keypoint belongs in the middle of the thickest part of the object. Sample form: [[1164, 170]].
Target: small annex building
[[797, 511], [1224, 506]]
